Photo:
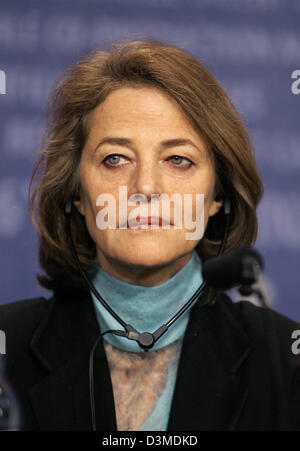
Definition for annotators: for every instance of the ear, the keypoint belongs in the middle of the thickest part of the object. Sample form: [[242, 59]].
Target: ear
[[79, 205], [216, 205]]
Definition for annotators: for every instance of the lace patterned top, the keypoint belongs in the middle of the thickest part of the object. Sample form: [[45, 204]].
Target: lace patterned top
[[143, 386]]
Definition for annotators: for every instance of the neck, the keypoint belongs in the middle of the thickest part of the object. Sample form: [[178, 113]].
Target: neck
[[140, 274]]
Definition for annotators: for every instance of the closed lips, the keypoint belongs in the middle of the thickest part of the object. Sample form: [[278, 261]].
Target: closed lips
[[154, 220]]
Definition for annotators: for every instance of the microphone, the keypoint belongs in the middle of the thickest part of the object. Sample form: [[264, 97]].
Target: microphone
[[239, 267]]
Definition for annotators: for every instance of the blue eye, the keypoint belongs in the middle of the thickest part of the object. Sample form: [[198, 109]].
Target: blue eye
[[186, 166], [110, 157]]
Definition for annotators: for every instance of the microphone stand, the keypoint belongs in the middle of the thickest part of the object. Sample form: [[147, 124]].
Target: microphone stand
[[254, 283]]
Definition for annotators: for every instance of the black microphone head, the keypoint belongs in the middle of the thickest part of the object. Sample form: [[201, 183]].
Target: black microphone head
[[233, 268]]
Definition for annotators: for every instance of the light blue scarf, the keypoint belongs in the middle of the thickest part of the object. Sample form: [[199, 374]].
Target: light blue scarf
[[146, 308]]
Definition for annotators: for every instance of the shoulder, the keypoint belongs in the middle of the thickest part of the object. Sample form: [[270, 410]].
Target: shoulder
[[21, 317], [28, 307], [274, 338], [259, 320], [270, 333]]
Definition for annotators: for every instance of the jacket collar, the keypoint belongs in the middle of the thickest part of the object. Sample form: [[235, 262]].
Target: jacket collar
[[209, 393]]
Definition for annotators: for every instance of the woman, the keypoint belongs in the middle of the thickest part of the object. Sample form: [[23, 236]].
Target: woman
[[149, 118]]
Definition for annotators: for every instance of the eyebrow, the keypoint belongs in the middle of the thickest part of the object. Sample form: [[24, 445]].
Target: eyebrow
[[128, 142]]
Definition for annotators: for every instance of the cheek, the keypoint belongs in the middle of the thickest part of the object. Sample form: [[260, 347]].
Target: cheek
[[202, 200], [92, 187]]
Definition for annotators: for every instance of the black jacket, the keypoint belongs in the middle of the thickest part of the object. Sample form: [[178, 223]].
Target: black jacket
[[236, 371]]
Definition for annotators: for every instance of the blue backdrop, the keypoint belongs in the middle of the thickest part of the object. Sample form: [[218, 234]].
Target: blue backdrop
[[251, 46]]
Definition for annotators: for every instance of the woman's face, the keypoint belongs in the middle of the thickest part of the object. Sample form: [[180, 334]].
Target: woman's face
[[142, 158]]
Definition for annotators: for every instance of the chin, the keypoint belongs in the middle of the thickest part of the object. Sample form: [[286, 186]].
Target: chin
[[149, 256]]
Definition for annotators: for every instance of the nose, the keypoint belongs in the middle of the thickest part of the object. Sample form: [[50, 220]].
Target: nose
[[146, 180]]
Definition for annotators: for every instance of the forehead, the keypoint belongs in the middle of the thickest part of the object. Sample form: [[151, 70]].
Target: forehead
[[145, 107]]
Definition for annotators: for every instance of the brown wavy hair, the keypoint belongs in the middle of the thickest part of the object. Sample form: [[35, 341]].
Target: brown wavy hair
[[82, 87]]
